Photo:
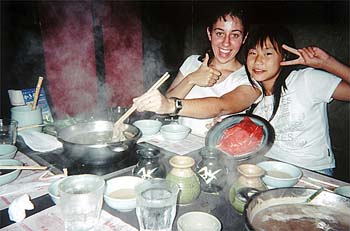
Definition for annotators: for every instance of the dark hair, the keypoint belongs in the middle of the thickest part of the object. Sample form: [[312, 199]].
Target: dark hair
[[278, 35], [222, 13]]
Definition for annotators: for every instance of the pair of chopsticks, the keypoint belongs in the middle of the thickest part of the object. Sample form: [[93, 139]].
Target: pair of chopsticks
[[156, 85], [24, 167]]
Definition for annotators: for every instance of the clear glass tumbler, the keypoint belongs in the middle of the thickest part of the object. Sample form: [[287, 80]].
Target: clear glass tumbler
[[156, 204], [8, 131], [81, 201]]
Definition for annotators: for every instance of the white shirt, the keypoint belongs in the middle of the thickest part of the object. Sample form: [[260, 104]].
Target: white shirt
[[301, 122], [234, 80]]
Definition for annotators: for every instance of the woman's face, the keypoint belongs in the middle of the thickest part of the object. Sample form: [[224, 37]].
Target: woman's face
[[226, 38], [263, 64]]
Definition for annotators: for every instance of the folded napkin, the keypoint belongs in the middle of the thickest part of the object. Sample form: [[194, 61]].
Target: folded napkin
[[17, 209], [39, 141]]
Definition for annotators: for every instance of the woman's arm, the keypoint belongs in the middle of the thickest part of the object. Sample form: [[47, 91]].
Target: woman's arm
[[232, 102]]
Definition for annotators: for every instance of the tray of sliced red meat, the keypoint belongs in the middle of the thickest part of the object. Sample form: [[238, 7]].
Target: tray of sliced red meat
[[241, 136]]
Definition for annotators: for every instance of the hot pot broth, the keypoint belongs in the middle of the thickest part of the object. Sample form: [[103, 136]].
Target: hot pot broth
[[99, 137], [300, 217]]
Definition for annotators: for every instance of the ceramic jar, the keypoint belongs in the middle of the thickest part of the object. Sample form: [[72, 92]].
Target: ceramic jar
[[148, 165], [211, 171], [187, 180], [248, 183]]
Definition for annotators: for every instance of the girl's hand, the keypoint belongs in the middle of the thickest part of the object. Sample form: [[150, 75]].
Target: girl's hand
[[205, 76], [309, 56]]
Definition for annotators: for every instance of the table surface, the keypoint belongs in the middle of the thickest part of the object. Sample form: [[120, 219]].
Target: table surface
[[217, 205]]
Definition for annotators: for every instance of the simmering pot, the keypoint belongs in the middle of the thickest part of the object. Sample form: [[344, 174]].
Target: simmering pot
[[91, 142]]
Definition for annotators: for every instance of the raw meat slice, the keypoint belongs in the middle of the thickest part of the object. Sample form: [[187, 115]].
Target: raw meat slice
[[241, 138]]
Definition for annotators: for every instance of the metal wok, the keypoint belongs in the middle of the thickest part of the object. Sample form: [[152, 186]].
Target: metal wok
[[91, 142], [288, 209]]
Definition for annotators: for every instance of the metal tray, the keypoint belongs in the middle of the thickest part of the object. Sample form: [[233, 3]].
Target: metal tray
[[215, 133]]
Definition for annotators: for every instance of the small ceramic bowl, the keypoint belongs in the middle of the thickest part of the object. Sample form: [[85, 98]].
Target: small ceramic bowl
[[175, 132], [7, 176], [120, 193], [343, 190], [53, 191], [148, 127], [7, 151], [198, 221], [280, 174]]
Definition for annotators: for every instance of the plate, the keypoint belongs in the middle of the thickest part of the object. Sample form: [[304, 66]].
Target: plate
[[215, 134]]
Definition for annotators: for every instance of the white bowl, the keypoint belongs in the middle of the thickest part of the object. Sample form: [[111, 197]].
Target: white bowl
[[175, 132], [198, 221], [120, 193], [148, 127], [7, 151], [53, 191], [8, 176], [343, 190], [279, 174]]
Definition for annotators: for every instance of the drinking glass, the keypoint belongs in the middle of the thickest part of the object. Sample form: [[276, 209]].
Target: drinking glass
[[156, 204], [8, 131], [81, 201]]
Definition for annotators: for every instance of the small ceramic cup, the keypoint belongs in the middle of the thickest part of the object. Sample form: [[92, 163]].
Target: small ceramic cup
[[25, 116], [198, 221]]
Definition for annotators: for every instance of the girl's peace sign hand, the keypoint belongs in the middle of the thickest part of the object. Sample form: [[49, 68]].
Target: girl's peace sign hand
[[309, 56]]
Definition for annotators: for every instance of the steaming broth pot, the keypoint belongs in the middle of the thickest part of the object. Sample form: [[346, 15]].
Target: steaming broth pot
[[286, 209], [91, 142]]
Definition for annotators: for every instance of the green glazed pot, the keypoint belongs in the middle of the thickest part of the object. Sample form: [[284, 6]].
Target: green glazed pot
[[183, 175]]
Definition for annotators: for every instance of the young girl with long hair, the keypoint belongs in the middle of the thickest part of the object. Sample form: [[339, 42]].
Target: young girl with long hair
[[295, 100]]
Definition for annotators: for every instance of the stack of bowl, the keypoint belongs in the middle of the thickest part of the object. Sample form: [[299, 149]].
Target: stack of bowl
[[7, 154]]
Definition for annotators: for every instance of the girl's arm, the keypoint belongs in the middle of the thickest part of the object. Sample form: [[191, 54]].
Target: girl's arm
[[318, 58]]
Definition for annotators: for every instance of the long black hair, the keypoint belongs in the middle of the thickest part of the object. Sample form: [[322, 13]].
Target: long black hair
[[221, 13], [278, 35]]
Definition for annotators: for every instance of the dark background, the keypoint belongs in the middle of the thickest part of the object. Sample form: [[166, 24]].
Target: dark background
[[170, 31]]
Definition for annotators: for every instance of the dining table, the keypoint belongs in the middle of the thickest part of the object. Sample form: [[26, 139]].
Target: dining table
[[46, 215]]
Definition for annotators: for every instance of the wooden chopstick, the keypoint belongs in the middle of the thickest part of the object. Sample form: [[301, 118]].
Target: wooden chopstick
[[156, 85], [24, 167], [30, 126], [322, 182], [314, 185], [37, 92]]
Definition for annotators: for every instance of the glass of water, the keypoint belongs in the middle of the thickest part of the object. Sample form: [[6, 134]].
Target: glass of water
[[81, 198], [156, 204], [8, 131]]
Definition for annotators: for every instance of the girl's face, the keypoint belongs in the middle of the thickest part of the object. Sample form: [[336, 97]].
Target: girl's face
[[263, 64], [226, 38]]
